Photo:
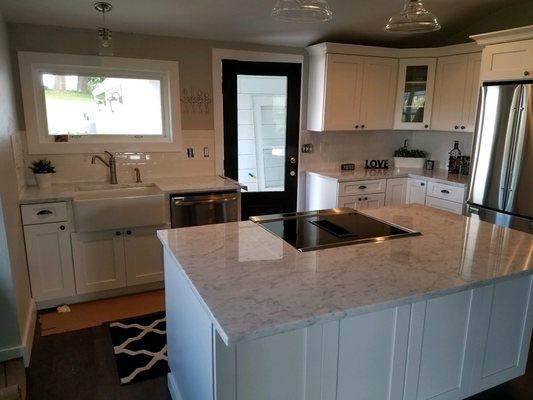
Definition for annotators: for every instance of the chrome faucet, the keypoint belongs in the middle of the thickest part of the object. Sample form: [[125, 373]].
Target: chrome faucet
[[111, 164]]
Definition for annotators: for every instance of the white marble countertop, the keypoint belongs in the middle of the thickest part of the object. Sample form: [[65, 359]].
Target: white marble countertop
[[253, 284], [437, 175], [66, 191]]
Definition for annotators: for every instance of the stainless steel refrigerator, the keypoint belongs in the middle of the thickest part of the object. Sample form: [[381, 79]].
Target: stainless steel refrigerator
[[501, 185]]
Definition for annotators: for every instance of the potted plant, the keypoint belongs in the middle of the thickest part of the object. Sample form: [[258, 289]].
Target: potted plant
[[43, 170], [406, 158]]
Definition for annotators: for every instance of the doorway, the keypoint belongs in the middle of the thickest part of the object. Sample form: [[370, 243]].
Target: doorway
[[261, 112]]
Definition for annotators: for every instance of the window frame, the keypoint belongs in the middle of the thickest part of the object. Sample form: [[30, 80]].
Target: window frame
[[32, 65]]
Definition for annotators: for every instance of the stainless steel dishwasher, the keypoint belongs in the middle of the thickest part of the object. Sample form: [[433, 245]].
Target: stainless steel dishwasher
[[203, 208]]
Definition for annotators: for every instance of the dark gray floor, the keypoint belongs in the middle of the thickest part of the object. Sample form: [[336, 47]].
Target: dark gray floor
[[80, 366]]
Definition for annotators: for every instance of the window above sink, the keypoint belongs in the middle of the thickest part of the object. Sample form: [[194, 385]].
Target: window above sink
[[81, 104]]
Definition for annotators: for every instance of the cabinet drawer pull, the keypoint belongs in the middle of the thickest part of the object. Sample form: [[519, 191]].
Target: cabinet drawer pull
[[362, 187], [44, 212], [422, 184], [62, 227], [445, 191]]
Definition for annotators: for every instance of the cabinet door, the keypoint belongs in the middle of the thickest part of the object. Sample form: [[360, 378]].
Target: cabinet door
[[372, 354], [450, 92], [50, 260], [415, 93], [98, 261], [472, 92], [343, 92], [445, 205], [373, 201], [144, 256], [513, 60], [349, 201], [416, 191], [439, 362], [396, 191], [506, 320], [378, 93]]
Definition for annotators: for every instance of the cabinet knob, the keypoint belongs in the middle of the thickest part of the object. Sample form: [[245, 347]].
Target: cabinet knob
[[356, 126], [118, 233], [422, 184], [526, 73], [426, 126], [62, 227], [362, 126], [456, 127], [128, 232], [366, 198], [463, 127], [359, 199]]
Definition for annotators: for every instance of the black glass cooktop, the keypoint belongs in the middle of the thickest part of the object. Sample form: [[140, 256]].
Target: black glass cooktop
[[329, 228]]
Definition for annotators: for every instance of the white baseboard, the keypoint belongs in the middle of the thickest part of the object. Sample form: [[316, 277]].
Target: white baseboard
[[173, 387], [24, 350]]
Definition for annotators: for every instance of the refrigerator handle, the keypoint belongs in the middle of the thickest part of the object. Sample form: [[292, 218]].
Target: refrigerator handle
[[516, 153], [508, 149]]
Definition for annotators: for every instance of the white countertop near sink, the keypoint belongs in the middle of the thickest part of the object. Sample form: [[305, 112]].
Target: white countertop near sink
[[253, 284], [67, 191], [437, 175]]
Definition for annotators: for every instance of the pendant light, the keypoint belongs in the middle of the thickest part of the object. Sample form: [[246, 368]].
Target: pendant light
[[413, 19], [105, 36], [302, 10]]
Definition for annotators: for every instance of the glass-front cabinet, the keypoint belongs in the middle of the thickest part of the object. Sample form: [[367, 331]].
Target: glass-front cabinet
[[415, 93]]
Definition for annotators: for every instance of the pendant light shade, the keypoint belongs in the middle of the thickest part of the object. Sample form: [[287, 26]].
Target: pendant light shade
[[413, 19], [302, 10]]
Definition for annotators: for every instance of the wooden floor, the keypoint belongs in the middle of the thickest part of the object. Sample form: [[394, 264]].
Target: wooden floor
[[80, 365], [12, 379]]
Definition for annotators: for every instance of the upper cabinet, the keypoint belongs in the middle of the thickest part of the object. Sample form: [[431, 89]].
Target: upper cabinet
[[350, 93], [507, 55], [415, 93], [456, 93]]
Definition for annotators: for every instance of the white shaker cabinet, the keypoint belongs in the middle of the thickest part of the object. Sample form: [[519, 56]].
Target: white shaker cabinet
[[350, 92], [416, 191], [99, 261], [343, 87], [143, 256], [507, 61], [49, 260], [396, 191], [362, 202], [456, 93], [414, 95]]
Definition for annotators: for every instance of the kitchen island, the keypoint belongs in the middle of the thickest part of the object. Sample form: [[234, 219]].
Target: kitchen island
[[443, 315]]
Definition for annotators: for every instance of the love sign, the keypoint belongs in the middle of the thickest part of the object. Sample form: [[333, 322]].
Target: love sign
[[379, 164]]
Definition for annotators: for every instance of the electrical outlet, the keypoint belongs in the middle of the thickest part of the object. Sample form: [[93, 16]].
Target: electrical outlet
[[190, 152], [307, 148]]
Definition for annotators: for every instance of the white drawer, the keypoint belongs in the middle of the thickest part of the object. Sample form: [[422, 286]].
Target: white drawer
[[446, 192], [43, 213], [362, 187], [446, 205]]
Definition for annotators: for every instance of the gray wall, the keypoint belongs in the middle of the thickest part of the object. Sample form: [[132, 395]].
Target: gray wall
[[14, 285]]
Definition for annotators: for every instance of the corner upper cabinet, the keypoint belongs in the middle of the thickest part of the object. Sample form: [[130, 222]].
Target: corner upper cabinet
[[456, 93], [350, 92], [415, 93]]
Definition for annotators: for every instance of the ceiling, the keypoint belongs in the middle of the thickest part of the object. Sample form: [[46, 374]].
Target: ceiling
[[354, 21]]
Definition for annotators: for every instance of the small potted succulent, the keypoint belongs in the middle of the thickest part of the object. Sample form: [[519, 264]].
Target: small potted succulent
[[43, 170], [406, 158]]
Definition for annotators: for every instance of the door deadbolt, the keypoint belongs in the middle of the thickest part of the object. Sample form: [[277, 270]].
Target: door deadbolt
[[292, 160], [292, 173]]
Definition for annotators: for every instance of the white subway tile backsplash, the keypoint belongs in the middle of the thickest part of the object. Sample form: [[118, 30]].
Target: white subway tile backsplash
[[78, 167]]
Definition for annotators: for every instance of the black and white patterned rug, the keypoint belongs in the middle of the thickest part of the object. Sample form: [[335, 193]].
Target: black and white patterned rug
[[140, 347]]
